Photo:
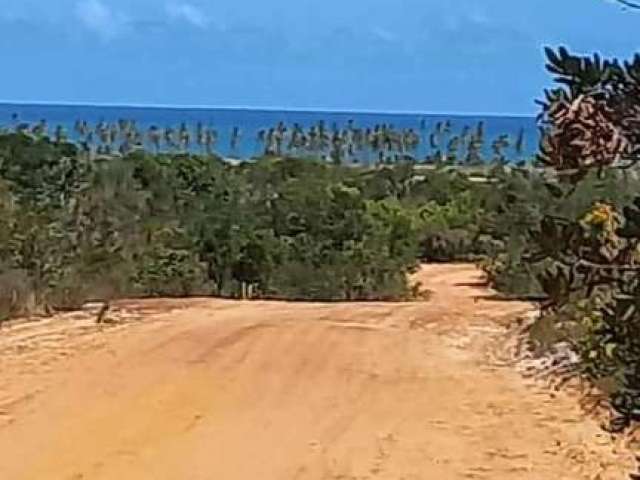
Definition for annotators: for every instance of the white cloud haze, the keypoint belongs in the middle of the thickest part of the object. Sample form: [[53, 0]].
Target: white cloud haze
[[100, 18], [188, 13]]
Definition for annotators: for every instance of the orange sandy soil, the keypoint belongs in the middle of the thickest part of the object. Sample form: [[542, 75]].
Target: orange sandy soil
[[207, 389]]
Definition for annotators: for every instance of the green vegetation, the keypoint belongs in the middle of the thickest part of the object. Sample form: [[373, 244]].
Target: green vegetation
[[80, 225], [582, 237], [75, 227]]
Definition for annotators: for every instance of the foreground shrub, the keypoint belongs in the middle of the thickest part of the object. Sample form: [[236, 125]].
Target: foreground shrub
[[584, 250]]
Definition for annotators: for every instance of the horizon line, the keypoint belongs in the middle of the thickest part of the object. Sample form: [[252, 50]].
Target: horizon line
[[262, 109]]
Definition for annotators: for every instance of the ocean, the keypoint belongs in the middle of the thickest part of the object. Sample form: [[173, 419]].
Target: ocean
[[251, 121]]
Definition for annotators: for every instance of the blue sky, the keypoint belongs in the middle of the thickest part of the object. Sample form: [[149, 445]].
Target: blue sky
[[401, 55]]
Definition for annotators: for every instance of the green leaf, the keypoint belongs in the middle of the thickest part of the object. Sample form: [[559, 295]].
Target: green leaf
[[610, 349]]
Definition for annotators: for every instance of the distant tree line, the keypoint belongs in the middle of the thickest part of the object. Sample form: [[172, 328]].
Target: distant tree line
[[348, 145]]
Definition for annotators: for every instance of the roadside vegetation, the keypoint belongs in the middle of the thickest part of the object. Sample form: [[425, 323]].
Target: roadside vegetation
[[585, 252]]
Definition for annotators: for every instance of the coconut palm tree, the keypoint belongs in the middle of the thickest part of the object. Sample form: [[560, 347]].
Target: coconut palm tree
[[60, 135], [235, 139], [82, 130], [261, 140], [154, 135], [185, 137], [473, 149], [200, 136], [519, 143], [498, 146], [113, 134], [480, 129], [313, 145], [169, 138], [210, 139], [278, 139], [123, 126], [337, 143], [438, 141], [465, 133], [453, 147]]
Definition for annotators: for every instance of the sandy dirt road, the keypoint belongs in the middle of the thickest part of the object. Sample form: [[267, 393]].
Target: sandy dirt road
[[219, 390]]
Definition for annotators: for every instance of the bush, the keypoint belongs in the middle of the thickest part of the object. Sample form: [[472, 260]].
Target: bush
[[15, 294], [448, 245], [83, 228], [584, 247]]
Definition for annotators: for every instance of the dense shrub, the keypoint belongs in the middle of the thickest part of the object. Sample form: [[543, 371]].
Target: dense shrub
[[83, 228], [582, 243]]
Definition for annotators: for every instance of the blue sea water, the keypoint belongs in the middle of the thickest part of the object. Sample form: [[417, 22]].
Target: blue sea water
[[251, 121]]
